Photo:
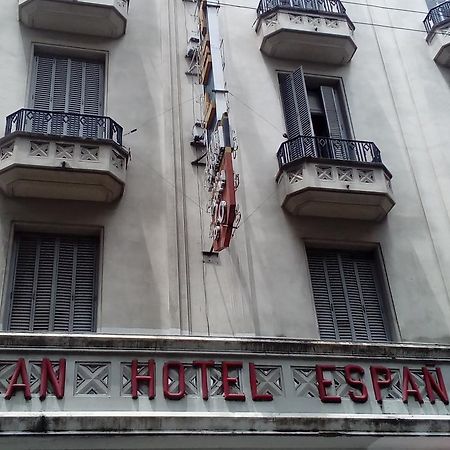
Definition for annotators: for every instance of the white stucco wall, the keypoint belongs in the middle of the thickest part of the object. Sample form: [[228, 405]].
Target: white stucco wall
[[153, 278]]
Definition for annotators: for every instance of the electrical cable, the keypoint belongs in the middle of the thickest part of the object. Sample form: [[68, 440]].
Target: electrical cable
[[234, 5]]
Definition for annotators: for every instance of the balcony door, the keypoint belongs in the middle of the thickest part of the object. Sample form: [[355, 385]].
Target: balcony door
[[313, 108], [68, 94]]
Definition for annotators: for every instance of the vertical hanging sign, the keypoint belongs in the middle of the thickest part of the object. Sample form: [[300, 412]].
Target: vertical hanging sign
[[222, 182]]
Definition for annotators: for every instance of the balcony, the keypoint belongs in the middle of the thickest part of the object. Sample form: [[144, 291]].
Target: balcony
[[56, 155], [333, 178], [437, 24], [310, 30], [106, 18]]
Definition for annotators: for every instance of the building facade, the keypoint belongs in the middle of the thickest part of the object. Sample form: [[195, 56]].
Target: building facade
[[224, 224]]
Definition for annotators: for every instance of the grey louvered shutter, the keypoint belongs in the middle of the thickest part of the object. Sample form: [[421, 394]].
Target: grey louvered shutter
[[301, 97], [289, 105], [22, 296], [322, 296], [41, 99], [68, 85], [335, 121], [59, 94], [92, 99], [297, 114], [346, 295], [74, 96], [55, 283]]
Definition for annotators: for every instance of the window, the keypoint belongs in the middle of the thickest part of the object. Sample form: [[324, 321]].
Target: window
[[67, 85], [54, 283], [315, 107], [347, 291]]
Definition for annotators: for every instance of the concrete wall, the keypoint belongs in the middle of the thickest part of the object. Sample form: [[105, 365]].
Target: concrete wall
[[398, 98], [153, 278]]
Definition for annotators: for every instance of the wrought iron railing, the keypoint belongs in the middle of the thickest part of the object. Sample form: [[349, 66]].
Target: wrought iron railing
[[334, 7], [327, 148], [64, 124], [439, 15]]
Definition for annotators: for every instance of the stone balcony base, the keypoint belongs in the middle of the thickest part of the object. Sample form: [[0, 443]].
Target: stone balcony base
[[53, 167], [337, 189], [306, 36], [106, 18]]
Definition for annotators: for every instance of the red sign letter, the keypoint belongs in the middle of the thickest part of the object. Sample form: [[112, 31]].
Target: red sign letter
[[57, 383], [228, 382], [378, 384], [174, 365], [204, 375], [323, 383], [266, 397], [358, 384], [408, 380], [432, 387], [20, 370], [150, 379]]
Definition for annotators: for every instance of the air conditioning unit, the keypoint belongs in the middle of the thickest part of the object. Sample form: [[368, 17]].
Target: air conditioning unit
[[198, 135], [192, 46]]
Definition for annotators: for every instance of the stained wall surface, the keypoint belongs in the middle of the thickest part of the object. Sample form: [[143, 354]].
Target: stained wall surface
[[154, 279]]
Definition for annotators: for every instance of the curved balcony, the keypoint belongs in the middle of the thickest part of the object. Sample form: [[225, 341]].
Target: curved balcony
[[337, 178], [310, 30], [106, 18], [57, 155], [437, 24]]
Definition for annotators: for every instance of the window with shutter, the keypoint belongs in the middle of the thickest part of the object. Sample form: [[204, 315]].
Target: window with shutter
[[69, 85], [347, 295], [54, 283], [314, 107]]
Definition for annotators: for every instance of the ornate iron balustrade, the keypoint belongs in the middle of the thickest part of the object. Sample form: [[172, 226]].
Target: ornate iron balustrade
[[334, 7], [327, 148], [438, 16], [64, 124]]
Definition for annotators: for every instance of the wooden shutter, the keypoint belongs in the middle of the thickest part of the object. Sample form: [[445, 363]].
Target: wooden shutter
[[301, 97], [68, 85], [346, 295], [297, 115], [294, 98], [92, 98], [43, 72], [335, 121], [333, 112], [54, 287]]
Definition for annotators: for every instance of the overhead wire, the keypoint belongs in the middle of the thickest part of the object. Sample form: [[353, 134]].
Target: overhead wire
[[369, 5]]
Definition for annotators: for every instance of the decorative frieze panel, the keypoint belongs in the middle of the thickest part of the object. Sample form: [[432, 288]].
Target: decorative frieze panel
[[366, 176], [253, 386], [39, 149], [89, 153], [117, 161], [295, 176], [64, 151], [324, 173], [92, 378], [345, 173], [6, 151], [269, 380]]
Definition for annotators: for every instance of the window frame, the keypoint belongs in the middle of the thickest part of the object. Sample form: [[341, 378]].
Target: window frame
[[50, 228], [68, 51], [324, 80], [386, 301]]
